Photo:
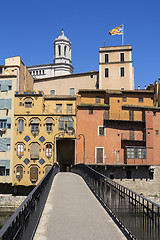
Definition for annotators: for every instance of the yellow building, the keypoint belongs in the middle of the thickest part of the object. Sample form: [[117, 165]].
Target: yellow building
[[45, 132], [13, 76]]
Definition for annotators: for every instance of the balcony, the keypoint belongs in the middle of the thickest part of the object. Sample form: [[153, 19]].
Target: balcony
[[133, 136], [123, 117]]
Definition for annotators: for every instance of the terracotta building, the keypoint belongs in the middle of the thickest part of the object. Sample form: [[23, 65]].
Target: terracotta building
[[121, 128]]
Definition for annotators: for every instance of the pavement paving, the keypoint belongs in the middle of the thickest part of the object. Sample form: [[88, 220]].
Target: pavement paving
[[72, 212]]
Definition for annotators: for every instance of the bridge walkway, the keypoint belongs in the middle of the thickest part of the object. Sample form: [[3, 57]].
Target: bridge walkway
[[72, 212]]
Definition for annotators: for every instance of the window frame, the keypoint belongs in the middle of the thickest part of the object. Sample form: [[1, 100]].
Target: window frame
[[122, 71], [103, 133], [20, 151], [48, 151], [96, 155], [106, 72]]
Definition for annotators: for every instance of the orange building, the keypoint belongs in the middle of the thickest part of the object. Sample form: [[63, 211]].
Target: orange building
[[120, 127]]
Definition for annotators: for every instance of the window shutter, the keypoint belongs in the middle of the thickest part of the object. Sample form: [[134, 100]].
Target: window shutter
[[34, 151], [99, 155], [5, 103], [34, 174], [69, 108], [59, 108], [3, 144]]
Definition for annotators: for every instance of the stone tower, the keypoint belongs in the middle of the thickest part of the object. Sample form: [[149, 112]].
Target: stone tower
[[62, 55]]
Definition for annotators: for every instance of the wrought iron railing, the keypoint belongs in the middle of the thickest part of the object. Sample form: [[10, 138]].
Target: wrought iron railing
[[23, 223], [137, 217]]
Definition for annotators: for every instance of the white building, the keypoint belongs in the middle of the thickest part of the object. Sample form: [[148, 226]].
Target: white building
[[62, 64]]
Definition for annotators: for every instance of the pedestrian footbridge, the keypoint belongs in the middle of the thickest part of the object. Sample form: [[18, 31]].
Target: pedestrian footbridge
[[82, 204], [73, 212]]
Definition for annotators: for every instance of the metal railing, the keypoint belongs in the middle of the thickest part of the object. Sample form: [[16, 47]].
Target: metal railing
[[137, 217], [23, 223]]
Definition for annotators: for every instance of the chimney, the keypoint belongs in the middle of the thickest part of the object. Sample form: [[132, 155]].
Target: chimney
[[145, 87], [139, 87]]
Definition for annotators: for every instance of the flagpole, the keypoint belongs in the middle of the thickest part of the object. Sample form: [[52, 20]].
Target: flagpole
[[122, 34]]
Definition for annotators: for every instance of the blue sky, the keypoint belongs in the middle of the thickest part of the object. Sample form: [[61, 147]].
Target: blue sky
[[28, 29]]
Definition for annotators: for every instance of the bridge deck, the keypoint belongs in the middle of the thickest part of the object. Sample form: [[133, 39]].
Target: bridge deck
[[73, 213]]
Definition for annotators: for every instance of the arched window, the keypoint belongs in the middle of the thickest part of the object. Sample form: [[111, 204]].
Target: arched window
[[65, 50], [59, 50], [48, 150], [34, 174], [20, 125], [28, 102], [49, 124], [47, 168], [34, 126], [19, 173], [20, 150], [34, 151]]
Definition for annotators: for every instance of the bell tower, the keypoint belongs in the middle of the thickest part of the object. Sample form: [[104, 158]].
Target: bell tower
[[62, 55]]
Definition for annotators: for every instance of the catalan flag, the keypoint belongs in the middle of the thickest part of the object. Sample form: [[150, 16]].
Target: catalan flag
[[118, 30]]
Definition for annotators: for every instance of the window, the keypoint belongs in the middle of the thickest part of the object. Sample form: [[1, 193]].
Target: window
[[71, 91], [106, 72], [19, 173], [36, 72], [28, 103], [90, 111], [43, 72], [34, 174], [69, 108], [91, 76], [34, 151], [52, 92], [59, 50], [98, 99], [58, 108], [140, 99], [154, 114], [136, 153], [9, 87], [124, 99], [20, 150], [157, 132], [48, 150], [122, 72], [99, 155], [122, 57], [65, 51], [106, 58], [101, 131], [20, 125], [66, 123], [2, 171], [20, 103], [5, 144], [49, 124], [0, 70], [47, 168], [34, 126], [3, 124]]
